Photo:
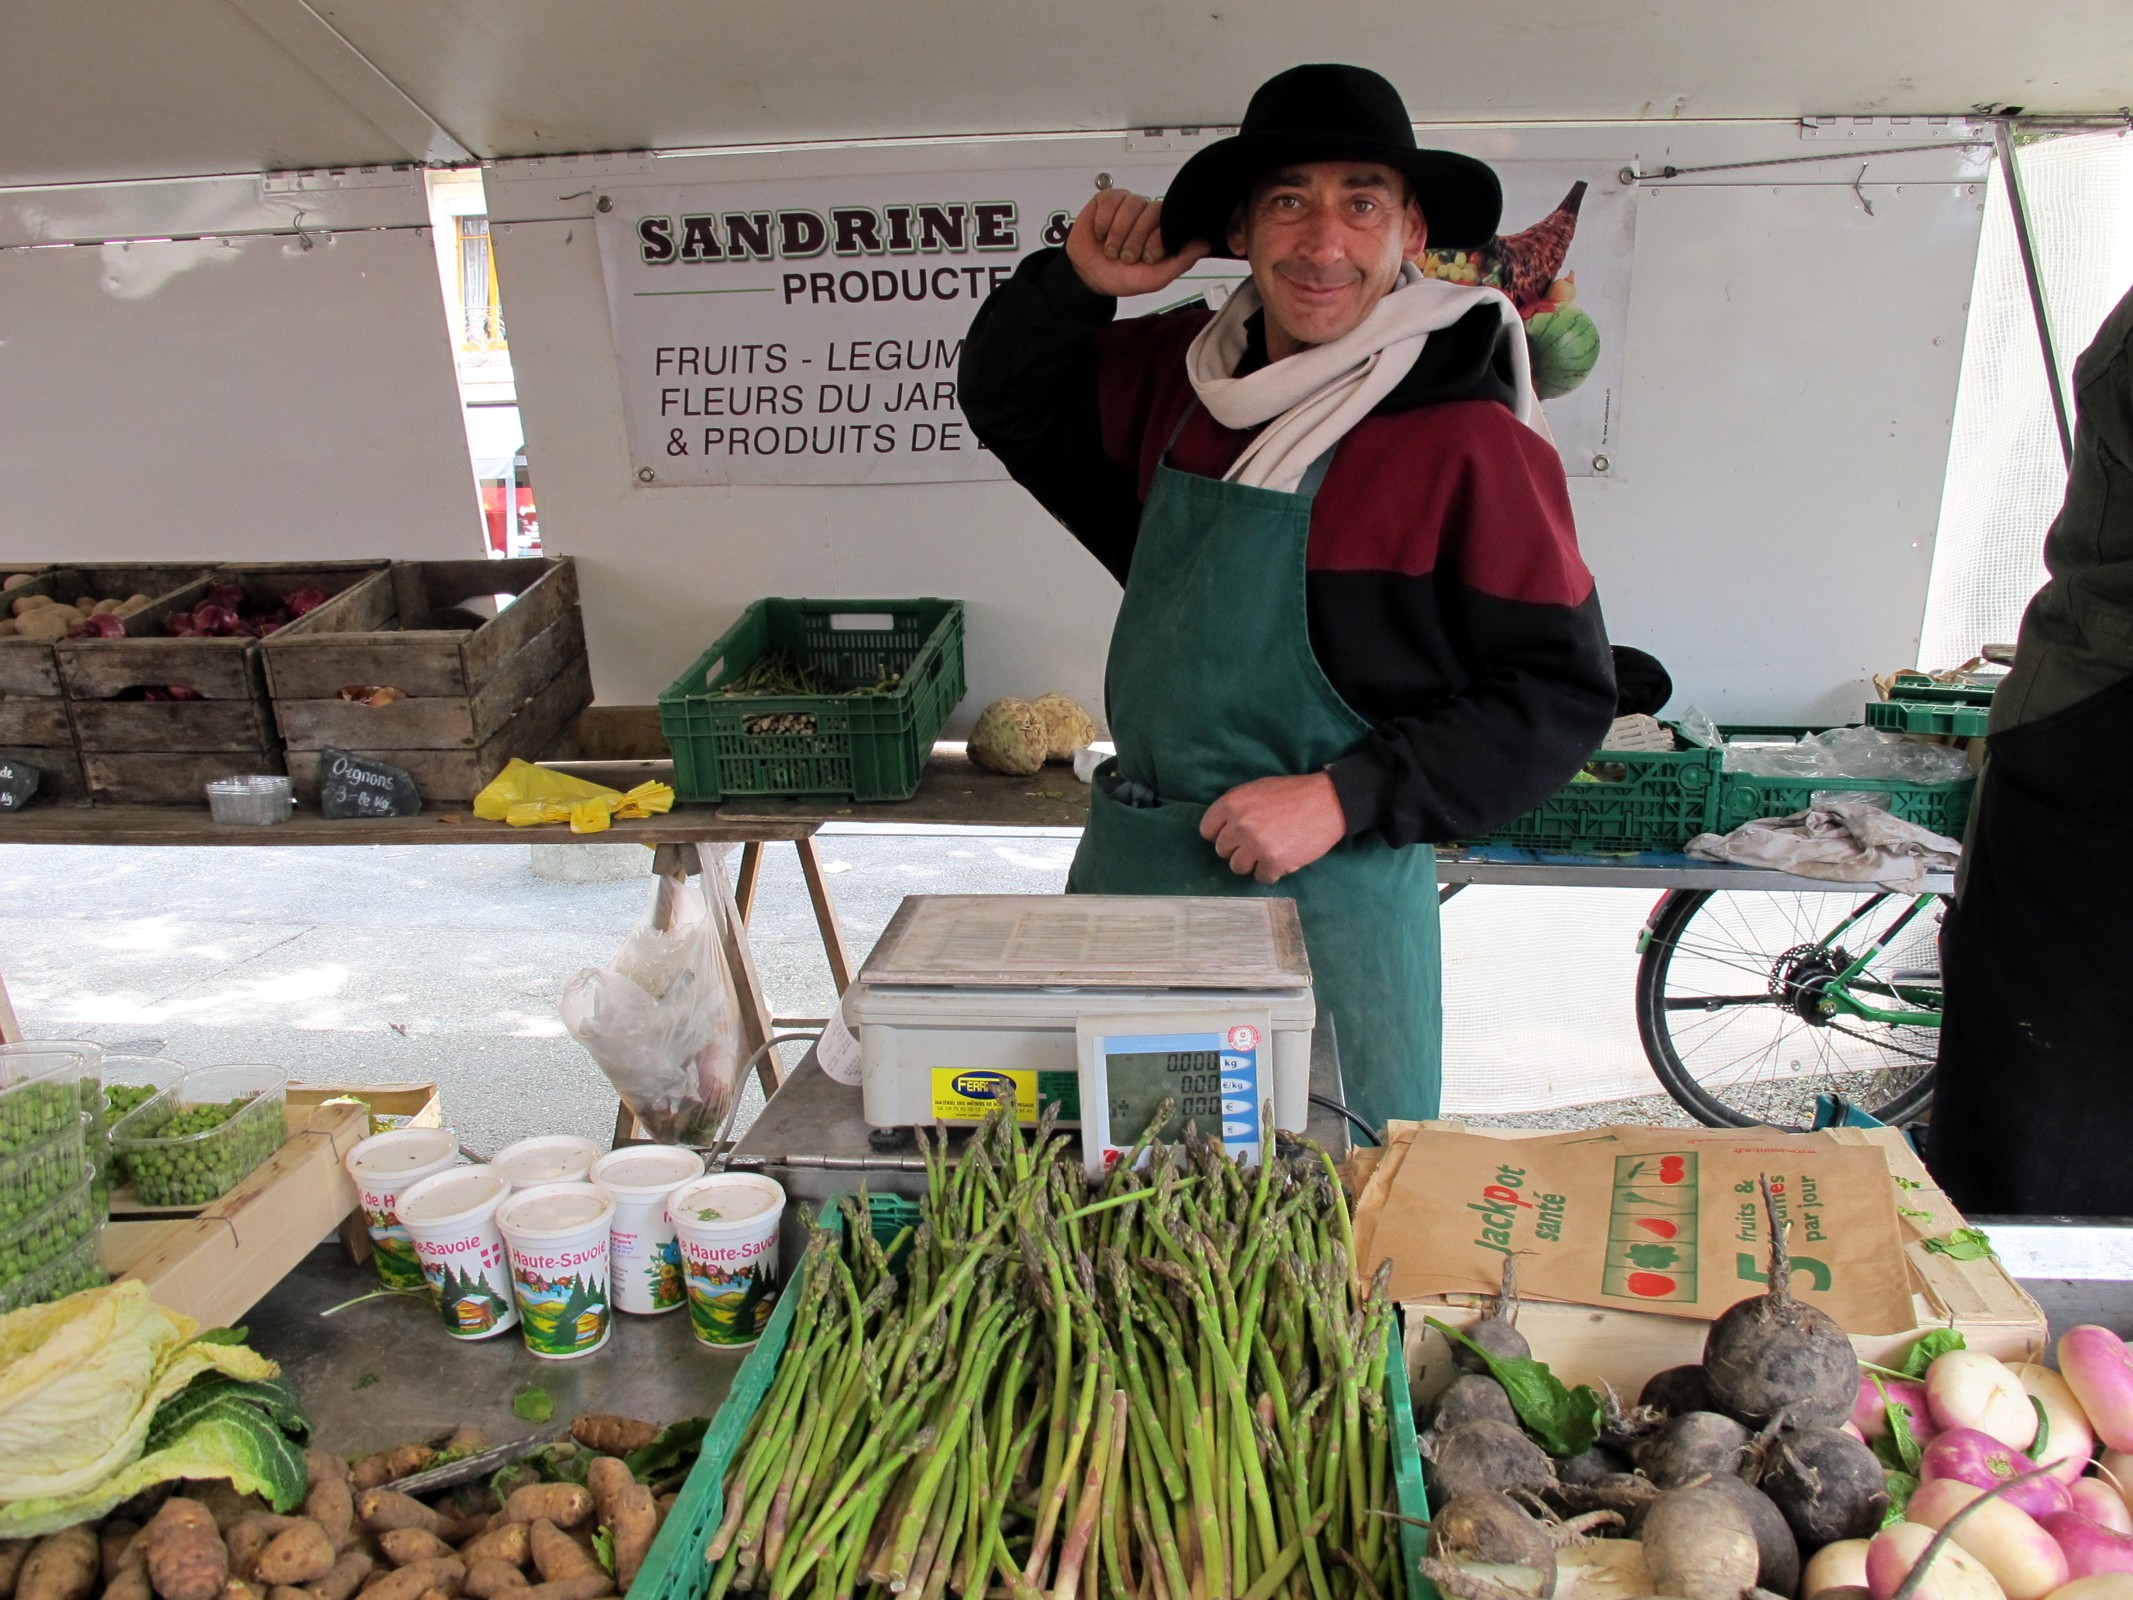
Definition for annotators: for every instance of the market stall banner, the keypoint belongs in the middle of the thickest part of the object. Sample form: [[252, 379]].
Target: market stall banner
[[808, 331]]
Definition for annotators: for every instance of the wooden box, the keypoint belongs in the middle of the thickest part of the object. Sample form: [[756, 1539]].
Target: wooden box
[[153, 752], [35, 723], [217, 1265], [1588, 1344], [476, 688]]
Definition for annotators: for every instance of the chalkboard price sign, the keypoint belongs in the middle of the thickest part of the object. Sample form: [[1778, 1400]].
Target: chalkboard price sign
[[18, 782], [350, 785]]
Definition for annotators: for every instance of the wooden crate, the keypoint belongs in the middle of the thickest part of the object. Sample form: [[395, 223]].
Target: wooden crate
[[163, 752], [1587, 1344], [35, 723], [478, 690], [217, 1265]]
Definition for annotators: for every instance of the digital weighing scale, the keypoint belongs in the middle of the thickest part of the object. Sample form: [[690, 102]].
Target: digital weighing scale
[[1105, 1005]]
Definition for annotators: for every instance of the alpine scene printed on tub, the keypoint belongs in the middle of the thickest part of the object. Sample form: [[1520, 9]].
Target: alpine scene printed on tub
[[398, 1265], [663, 1279], [731, 1290], [561, 1316]]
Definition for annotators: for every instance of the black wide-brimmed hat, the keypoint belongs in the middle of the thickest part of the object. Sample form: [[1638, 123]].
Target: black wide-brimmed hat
[[1329, 113]]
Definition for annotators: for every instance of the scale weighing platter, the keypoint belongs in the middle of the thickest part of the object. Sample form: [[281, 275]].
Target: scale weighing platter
[[968, 1001]]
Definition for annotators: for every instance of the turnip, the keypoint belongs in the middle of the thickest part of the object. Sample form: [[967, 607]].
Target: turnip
[[1494, 1332], [2102, 1586], [1485, 1457], [1870, 1413], [2090, 1547], [1488, 1528], [2064, 1442], [1675, 1390], [1984, 1462], [1699, 1546], [1835, 1566], [1955, 1574], [2099, 1369], [2100, 1503], [1827, 1483], [2022, 1558], [2116, 1469], [1773, 1354], [1696, 1444], [1777, 1551], [1969, 1389]]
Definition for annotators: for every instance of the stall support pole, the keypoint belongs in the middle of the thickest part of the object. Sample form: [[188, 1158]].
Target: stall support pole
[[10, 1029], [744, 884], [2018, 209], [840, 959]]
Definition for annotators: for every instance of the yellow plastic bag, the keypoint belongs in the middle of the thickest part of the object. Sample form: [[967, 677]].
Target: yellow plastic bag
[[525, 795]]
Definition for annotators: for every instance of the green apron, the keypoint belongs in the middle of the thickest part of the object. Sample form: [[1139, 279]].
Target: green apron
[[1211, 683]]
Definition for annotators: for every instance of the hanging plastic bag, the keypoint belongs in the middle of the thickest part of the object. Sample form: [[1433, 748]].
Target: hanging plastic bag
[[663, 1022]]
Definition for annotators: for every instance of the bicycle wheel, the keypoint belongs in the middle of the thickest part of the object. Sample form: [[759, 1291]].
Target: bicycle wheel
[[1734, 1017]]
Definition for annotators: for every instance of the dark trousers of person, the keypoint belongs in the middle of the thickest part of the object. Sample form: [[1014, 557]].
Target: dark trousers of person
[[2033, 1109]]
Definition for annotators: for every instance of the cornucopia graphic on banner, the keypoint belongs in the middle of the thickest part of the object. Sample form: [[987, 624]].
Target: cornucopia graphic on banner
[[1528, 266]]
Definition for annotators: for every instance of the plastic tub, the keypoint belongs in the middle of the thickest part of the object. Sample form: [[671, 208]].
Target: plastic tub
[[451, 1218], [78, 1268], [644, 1258], [727, 1225], [250, 802], [125, 1084], [32, 1179], [195, 1142], [384, 1167], [41, 1089], [556, 1237], [44, 1236], [546, 1158]]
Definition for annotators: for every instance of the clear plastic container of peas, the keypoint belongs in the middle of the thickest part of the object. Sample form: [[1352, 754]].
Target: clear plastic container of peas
[[192, 1143], [127, 1083], [76, 1268], [41, 1089], [32, 1179], [44, 1236]]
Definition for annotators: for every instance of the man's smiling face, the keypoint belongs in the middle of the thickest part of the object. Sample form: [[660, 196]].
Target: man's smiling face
[[1325, 240]]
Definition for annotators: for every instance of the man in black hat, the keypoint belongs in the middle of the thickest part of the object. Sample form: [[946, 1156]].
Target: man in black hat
[[1355, 620]]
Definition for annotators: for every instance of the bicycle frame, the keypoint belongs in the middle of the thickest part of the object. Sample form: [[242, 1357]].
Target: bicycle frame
[[1840, 994]]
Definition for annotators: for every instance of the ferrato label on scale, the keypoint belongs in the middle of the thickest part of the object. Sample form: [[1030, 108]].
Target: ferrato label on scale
[[18, 784], [350, 785]]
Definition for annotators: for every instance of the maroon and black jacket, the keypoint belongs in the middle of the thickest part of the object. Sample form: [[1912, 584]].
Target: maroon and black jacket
[[1448, 602]]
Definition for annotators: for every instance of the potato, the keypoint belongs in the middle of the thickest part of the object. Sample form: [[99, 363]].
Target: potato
[[7, 627], [625, 1507], [46, 624], [61, 1566], [350, 1568], [187, 1559], [12, 1552], [130, 1582], [24, 604], [301, 1553], [286, 1591], [590, 1587], [612, 1435], [567, 1505], [488, 1579], [409, 1583], [239, 1589], [330, 1502], [16, 580], [115, 1540], [375, 1471], [404, 1547], [385, 1509], [506, 1544], [248, 1536], [556, 1555]]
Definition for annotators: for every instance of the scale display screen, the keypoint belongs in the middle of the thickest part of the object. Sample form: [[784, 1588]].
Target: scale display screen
[[1212, 1079]]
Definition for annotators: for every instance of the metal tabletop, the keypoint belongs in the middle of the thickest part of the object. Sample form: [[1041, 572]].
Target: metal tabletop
[[1500, 864]]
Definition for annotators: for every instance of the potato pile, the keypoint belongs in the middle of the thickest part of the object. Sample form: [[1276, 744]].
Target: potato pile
[[39, 616], [356, 1536]]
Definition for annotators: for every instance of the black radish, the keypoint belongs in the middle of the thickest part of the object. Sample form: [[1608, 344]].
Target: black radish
[[1696, 1444], [1494, 1332], [1674, 1391], [1827, 1483], [1773, 1354], [1594, 1466], [1699, 1546], [1777, 1551], [1489, 1528], [1483, 1457], [1472, 1397]]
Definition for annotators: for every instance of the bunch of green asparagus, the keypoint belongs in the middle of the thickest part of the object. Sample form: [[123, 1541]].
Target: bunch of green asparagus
[[1163, 1386], [782, 673]]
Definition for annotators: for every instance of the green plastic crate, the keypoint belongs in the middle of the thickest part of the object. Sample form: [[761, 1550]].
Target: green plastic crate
[[1624, 802], [1942, 807], [864, 746], [674, 1569], [1965, 720]]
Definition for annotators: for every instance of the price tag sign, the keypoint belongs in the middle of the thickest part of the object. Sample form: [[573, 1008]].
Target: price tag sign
[[1216, 1072]]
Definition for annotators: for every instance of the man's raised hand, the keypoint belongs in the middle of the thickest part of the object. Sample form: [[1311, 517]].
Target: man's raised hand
[[1116, 246]]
